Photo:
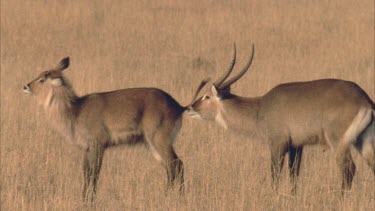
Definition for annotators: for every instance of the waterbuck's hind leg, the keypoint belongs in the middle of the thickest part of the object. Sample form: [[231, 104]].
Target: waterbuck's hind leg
[[93, 159], [365, 145], [351, 137], [176, 167], [175, 170], [347, 170], [277, 162], [295, 157], [162, 149]]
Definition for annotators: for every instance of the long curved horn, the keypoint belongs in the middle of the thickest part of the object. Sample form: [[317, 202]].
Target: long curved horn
[[220, 80], [240, 74], [201, 85]]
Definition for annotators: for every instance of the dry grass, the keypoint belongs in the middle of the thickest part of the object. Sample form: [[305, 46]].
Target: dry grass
[[172, 46]]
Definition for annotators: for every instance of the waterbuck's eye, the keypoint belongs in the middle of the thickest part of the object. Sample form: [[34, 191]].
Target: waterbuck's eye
[[42, 80], [206, 97]]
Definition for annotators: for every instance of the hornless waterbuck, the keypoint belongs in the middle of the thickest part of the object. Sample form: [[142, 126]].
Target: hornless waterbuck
[[97, 121], [333, 112]]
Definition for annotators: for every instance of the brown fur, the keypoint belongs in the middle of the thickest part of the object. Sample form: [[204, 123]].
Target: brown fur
[[97, 121]]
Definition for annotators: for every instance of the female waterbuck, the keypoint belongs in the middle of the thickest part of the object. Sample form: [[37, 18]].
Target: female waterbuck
[[97, 121], [333, 112]]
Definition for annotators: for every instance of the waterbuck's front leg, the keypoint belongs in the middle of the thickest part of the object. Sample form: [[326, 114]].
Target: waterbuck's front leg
[[91, 168], [87, 171], [278, 152], [295, 156]]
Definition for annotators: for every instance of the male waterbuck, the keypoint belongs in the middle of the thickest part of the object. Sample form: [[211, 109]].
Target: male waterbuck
[[97, 121], [333, 112]]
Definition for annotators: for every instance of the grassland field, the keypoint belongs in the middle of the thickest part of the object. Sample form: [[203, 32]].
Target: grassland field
[[173, 45]]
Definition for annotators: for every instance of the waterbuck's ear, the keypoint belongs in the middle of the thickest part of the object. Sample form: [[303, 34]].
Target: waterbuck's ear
[[63, 64], [56, 81], [214, 90]]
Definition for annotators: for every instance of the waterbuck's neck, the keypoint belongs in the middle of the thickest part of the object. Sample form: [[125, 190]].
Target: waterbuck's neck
[[239, 114], [61, 110]]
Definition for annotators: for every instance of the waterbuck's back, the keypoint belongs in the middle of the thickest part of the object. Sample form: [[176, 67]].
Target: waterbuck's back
[[312, 112], [122, 115]]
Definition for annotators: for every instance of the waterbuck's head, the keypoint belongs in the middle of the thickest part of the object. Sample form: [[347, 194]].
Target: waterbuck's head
[[210, 105], [43, 86]]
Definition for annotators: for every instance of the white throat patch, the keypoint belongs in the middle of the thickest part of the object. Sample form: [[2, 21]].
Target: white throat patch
[[220, 119], [47, 103]]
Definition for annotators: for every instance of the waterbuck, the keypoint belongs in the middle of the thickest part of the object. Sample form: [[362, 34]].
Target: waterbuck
[[333, 112], [97, 121]]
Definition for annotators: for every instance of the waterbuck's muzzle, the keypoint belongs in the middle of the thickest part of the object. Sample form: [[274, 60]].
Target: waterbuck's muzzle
[[192, 113], [26, 89], [189, 109]]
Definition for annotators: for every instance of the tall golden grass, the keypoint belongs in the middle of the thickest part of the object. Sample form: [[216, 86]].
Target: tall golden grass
[[173, 45]]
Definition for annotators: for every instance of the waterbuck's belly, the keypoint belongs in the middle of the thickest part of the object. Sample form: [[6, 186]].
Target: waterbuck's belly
[[306, 135], [125, 137], [124, 129], [314, 136], [307, 140]]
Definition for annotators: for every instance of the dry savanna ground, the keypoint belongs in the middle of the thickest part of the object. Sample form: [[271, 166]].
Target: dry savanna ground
[[173, 45]]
